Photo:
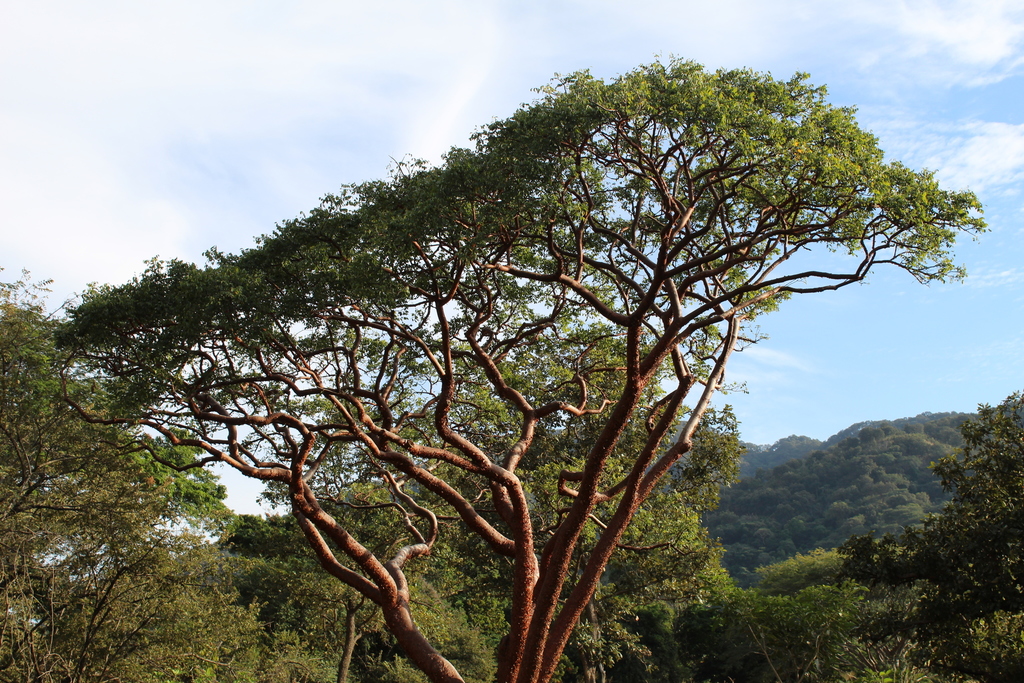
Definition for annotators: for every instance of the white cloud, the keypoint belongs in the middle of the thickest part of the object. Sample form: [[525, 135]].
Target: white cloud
[[981, 155], [775, 359], [999, 358], [982, 32], [988, 277], [936, 41], [70, 214], [135, 129], [985, 156]]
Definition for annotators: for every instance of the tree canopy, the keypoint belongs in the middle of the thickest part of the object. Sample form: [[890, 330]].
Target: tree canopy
[[524, 339]]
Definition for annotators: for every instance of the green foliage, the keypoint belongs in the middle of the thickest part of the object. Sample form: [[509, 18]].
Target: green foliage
[[753, 636], [466, 647], [397, 670], [801, 624], [714, 646], [193, 494], [656, 660], [816, 568], [279, 577], [801, 636]]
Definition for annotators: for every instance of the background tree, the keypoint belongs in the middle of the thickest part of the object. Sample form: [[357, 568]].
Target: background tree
[[103, 574], [965, 563], [600, 253], [799, 623], [280, 577], [800, 636]]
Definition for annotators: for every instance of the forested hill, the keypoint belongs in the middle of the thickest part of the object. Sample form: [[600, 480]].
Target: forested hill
[[765, 457], [872, 476]]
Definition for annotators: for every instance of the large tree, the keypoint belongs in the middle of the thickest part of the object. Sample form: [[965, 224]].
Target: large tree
[[595, 258]]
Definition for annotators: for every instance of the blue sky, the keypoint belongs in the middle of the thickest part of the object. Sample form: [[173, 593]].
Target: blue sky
[[130, 130]]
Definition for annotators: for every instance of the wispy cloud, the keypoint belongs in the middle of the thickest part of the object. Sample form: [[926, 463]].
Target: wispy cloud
[[980, 155], [775, 359], [984, 32], [760, 366], [964, 41], [129, 130], [997, 357], [986, 278], [935, 41]]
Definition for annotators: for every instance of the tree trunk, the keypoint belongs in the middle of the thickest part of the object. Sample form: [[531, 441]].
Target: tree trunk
[[593, 667], [351, 637]]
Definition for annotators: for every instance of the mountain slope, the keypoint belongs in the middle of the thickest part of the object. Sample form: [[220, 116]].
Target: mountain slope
[[870, 477]]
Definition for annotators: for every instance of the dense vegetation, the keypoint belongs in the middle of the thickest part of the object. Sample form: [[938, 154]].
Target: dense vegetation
[[167, 586], [105, 569], [869, 477]]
